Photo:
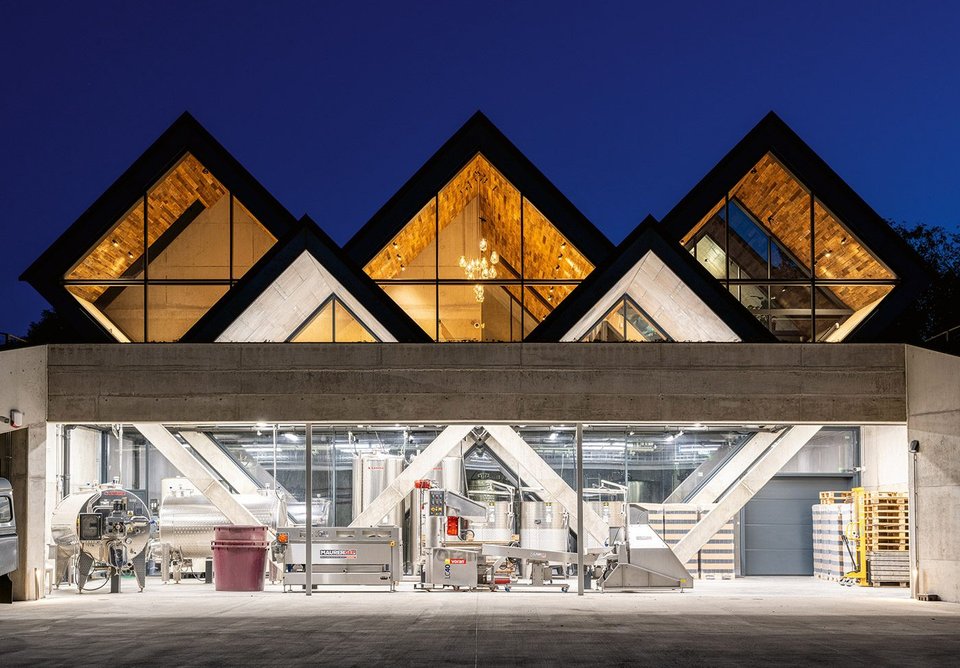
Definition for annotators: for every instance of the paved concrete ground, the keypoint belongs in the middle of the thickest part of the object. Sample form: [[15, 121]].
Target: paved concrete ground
[[786, 621]]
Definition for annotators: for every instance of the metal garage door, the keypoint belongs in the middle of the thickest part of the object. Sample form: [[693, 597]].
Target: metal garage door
[[777, 527]]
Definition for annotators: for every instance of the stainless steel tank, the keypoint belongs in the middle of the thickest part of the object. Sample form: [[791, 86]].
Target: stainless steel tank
[[499, 524], [611, 512], [371, 475], [544, 526], [65, 521], [188, 520]]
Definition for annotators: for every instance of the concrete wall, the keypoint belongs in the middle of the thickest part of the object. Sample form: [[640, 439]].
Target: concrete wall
[[736, 382], [883, 458], [933, 390], [23, 384]]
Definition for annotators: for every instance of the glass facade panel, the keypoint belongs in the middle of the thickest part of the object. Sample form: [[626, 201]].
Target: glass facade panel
[[116, 252], [418, 301], [251, 240], [839, 255], [475, 236], [832, 450], [118, 308], [779, 232], [188, 224], [190, 217], [346, 327], [173, 309], [625, 322], [496, 318], [319, 329]]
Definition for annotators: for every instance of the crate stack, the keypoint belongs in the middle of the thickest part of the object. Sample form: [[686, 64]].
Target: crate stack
[[672, 521], [887, 538], [831, 558]]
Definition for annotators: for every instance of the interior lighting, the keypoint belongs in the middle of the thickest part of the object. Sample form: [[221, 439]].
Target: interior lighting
[[290, 436], [480, 268]]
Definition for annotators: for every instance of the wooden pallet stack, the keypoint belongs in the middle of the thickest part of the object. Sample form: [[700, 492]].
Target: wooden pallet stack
[[887, 537], [888, 568], [831, 558], [715, 560]]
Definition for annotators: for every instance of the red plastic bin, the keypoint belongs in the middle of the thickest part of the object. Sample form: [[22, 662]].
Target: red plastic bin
[[239, 558]]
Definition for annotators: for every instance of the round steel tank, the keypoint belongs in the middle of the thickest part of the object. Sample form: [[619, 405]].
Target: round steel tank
[[611, 512], [65, 519], [187, 521], [498, 526], [371, 475], [544, 526]]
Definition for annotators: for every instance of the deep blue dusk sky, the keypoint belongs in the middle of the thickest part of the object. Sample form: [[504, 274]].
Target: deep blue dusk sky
[[624, 106]]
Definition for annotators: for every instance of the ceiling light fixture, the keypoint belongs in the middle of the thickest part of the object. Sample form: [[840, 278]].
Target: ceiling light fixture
[[480, 268]]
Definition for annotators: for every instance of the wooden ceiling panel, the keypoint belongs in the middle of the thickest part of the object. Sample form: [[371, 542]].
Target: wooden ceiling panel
[[122, 247]]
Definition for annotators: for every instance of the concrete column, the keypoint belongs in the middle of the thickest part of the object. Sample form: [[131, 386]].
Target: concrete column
[[25, 464], [402, 485], [507, 444], [933, 421], [197, 474], [222, 463], [748, 484]]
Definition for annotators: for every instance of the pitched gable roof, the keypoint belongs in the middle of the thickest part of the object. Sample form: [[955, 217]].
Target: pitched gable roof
[[308, 239], [603, 286], [477, 135], [773, 135], [185, 135]]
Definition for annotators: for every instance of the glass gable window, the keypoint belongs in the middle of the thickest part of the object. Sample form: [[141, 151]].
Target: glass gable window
[[171, 257], [479, 262], [333, 322], [787, 258], [625, 322]]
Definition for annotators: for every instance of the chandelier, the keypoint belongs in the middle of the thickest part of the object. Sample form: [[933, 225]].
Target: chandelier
[[480, 268]]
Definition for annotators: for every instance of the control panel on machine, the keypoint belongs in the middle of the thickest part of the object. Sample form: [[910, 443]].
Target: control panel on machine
[[437, 503]]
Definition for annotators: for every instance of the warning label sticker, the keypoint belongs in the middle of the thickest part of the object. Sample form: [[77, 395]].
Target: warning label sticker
[[458, 561], [337, 554]]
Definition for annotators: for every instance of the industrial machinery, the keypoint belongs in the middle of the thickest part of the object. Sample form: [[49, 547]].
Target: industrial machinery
[[454, 559], [340, 556], [543, 565], [8, 541], [188, 521], [640, 559], [106, 529]]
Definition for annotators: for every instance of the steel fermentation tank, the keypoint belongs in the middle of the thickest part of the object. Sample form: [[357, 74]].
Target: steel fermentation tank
[[499, 524], [64, 521], [188, 520], [372, 474], [544, 526]]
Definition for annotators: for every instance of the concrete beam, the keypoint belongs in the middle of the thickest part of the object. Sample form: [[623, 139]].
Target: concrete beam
[[477, 383], [225, 465], [731, 470], [397, 491], [510, 447], [197, 474], [735, 498]]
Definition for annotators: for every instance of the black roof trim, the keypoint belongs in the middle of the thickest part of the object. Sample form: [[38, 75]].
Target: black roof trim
[[477, 135], [773, 135], [648, 237], [310, 238], [185, 135]]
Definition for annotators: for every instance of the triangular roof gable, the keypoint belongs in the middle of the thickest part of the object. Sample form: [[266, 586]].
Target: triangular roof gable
[[772, 135], [477, 135], [307, 237], [646, 238], [185, 135]]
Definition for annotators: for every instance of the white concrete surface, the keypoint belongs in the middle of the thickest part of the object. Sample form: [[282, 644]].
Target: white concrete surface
[[774, 621]]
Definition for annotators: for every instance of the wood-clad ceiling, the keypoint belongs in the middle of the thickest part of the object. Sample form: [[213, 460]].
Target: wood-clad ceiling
[[782, 205], [122, 247], [548, 255]]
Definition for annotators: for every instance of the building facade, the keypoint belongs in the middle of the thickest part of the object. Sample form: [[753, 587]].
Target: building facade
[[735, 340]]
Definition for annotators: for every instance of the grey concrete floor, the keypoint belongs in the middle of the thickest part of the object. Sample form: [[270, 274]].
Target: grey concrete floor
[[784, 621]]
